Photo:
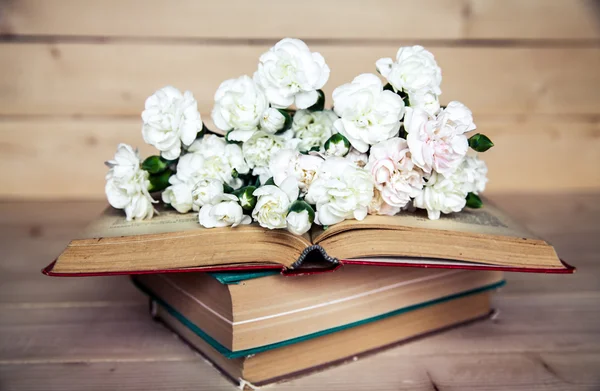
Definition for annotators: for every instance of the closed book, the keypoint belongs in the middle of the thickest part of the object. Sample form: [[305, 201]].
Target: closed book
[[262, 313], [278, 362]]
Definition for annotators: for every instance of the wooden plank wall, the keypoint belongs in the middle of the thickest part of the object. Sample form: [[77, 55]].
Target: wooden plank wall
[[75, 73]]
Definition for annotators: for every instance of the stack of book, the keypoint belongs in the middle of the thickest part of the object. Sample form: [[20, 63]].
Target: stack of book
[[264, 305], [258, 329]]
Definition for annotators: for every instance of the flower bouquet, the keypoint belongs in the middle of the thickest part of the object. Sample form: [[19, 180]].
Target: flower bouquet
[[287, 162]]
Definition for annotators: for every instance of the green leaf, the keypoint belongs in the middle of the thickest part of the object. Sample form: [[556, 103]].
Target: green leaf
[[299, 206], [270, 181], [404, 97], [403, 134], [473, 201], [231, 141], [320, 105], [159, 182], [227, 189], [388, 87], [288, 120], [155, 164], [480, 142], [203, 131]]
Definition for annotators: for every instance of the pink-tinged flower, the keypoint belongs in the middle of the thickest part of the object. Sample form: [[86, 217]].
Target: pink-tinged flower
[[438, 143], [396, 177]]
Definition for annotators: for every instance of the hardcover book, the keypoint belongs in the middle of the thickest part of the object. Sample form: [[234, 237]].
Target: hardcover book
[[477, 239], [260, 313], [269, 328]]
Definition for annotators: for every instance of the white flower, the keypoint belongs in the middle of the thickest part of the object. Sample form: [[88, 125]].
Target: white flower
[[272, 121], [438, 143], [206, 191], [287, 163], [127, 184], [125, 163], [273, 202], [313, 128], [289, 73], [425, 100], [379, 207], [212, 157], [298, 222], [239, 105], [189, 170], [473, 174], [130, 193], [359, 158], [395, 175], [459, 116], [224, 213], [442, 194], [415, 69], [259, 149], [368, 113], [170, 119], [341, 191], [131, 197], [240, 135], [179, 196]]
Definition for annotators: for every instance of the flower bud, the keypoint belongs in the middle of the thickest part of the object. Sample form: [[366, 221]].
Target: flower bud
[[159, 182], [300, 217], [246, 198], [155, 164], [274, 120], [337, 145], [179, 196]]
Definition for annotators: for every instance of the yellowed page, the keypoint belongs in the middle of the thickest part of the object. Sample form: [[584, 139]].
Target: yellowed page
[[488, 220], [112, 223]]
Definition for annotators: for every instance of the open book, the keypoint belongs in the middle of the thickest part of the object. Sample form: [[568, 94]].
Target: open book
[[473, 239]]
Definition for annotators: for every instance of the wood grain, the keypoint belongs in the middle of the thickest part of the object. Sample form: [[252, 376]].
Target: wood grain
[[94, 333], [71, 152], [115, 79], [448, 20], [537, 19]]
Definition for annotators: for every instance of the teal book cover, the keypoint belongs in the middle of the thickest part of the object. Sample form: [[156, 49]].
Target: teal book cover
[[235, 277]]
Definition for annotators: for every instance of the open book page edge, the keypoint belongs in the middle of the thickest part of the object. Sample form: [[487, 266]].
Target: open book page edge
[[451, 264], [487, 221], [567, 269]]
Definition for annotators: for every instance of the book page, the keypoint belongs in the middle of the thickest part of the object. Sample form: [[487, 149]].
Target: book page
[[488, 220], [112, 223]]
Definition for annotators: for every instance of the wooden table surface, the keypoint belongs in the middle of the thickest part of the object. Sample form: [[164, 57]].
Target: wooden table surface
[[95, 333]]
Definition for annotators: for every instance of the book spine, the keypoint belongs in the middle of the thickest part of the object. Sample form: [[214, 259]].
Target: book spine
[[323, 256]]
